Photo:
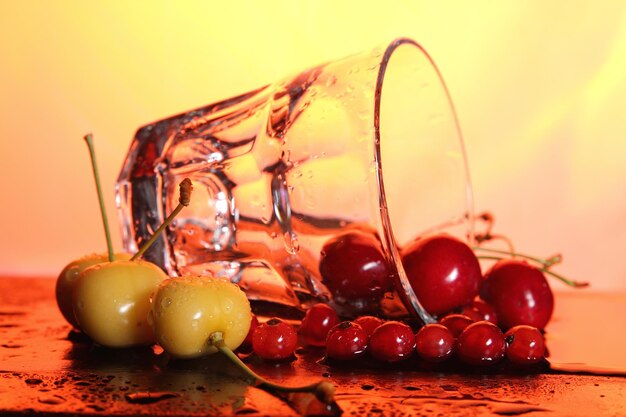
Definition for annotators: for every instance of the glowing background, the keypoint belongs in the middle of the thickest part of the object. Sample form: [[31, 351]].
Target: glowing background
[[539, 88]]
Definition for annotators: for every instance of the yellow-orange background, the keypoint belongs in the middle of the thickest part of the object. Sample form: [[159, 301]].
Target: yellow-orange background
[[540, 89]]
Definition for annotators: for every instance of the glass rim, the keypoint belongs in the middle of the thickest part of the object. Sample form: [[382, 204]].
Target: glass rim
[[389, 242]]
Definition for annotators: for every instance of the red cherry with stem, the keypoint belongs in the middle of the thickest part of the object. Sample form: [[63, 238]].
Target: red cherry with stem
[[519, 293], [456, 323], [434, 343], [525, 345], [353, 266], [369, 323], [254, 323], [319, 319], [346, 341], [481, 343], [392, 341], [274, 340], [443, 272]]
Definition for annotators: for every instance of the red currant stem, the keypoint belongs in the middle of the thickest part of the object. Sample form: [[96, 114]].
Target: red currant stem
[[571, 283], [323, 390], [185, 195], [92, 153]]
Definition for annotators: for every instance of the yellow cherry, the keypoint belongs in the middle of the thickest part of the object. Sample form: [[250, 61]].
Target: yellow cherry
[[111, 302], [68, 276], [186, 311], [195, 316]]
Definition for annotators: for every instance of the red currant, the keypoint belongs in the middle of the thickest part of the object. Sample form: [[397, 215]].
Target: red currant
[[471, 312], [353, 266], [519, 293], [443, 272], [319, 319], [434, 343], [346, 341], [274, 340], [485, 311], [254, 323], [481, 343], [369, 323], [525, 345], [456, 323], [392, 341]]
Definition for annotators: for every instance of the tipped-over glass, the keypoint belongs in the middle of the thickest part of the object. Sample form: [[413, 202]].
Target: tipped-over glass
[[366, 144]]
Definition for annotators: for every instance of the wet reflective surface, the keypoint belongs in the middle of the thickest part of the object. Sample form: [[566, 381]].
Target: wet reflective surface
[[47, 369]]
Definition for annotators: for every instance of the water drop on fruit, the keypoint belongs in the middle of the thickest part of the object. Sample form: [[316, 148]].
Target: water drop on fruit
[[166, 302]]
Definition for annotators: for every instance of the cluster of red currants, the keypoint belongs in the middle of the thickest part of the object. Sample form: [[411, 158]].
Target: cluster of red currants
[[446, 276], [474, 342]]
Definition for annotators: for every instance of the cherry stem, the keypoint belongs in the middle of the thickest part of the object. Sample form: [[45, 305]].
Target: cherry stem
[[571, 283], [92, 153], [553, 260], [323, 390], [183, 201], [488, 237]]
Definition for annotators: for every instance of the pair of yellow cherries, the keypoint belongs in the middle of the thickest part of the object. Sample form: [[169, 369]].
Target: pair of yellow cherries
[[119, 300], [126, 303]]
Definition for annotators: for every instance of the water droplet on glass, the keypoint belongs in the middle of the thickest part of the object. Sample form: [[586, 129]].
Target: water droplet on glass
[[332, 80], [291, 243]]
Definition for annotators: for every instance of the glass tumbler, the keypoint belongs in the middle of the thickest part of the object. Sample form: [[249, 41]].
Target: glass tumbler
[[366, 144]]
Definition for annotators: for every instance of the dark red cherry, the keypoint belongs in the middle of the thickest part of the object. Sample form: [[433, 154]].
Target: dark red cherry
[[519, 293], [346, 341], [369, 323], [274, 340], [525, 345], [319, 319], [434, 343], [443, 272], [392, 341], [481, 343], [456, 323], [353, 266]]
